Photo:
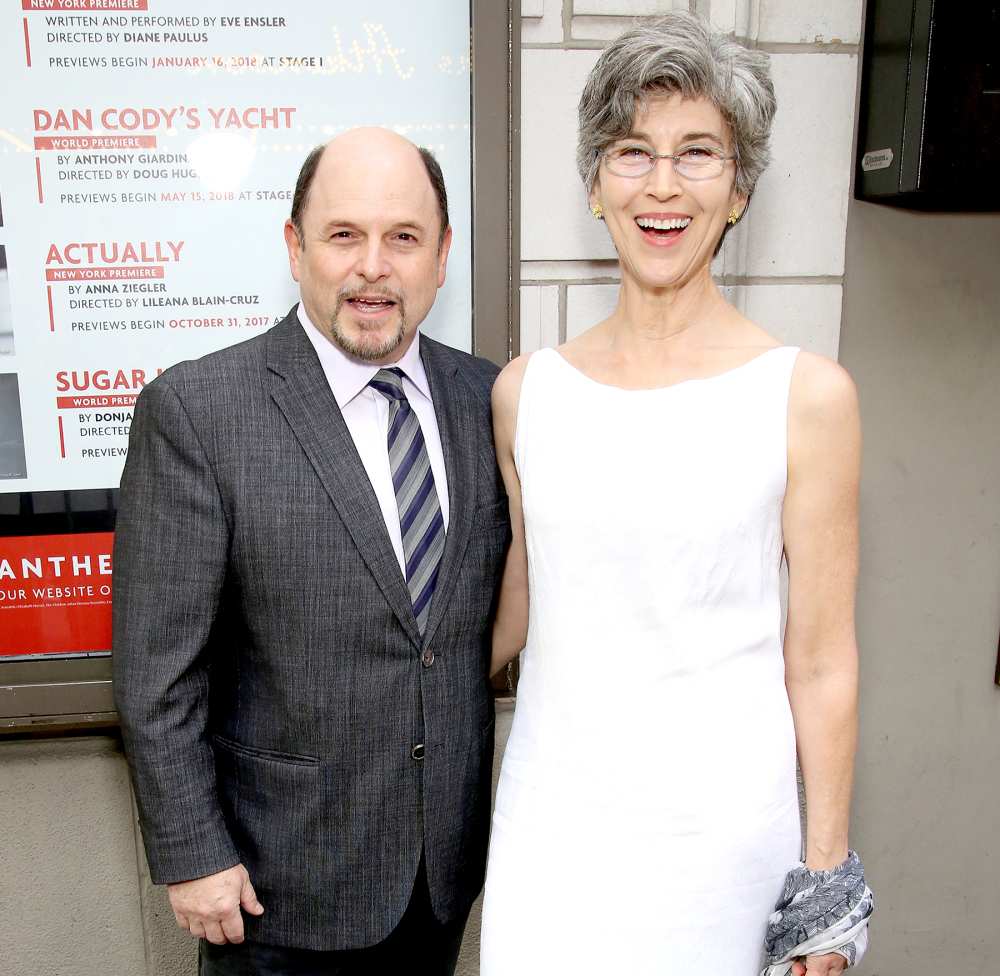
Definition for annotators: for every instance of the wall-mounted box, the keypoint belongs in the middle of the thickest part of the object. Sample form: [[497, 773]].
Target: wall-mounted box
[[929, 120]]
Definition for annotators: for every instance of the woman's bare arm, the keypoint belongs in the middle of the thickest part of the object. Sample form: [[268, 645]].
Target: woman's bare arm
[[820, 524], [510, 628]]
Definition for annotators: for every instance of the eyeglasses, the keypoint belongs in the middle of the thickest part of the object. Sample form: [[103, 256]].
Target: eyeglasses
[[692, 162]]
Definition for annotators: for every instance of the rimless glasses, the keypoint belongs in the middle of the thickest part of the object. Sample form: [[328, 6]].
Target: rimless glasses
[[692, 162]]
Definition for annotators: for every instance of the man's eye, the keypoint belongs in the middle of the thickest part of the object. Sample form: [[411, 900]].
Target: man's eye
[[341, 235], [404, 236]]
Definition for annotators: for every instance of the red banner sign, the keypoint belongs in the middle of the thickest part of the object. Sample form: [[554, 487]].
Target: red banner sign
[[55, 593]]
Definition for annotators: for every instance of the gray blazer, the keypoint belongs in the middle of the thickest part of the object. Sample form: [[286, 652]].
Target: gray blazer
[[271, 681]]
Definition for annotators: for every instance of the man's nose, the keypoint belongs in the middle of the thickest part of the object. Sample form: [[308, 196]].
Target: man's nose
[[372, 261]]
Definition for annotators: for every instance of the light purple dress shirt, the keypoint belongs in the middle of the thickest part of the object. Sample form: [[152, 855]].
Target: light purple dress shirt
[[366, 414]]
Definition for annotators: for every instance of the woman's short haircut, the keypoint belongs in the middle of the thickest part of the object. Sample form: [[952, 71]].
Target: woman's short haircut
[[678, 53]]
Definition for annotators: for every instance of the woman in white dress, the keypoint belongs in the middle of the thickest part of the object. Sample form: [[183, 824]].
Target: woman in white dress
[[659, 468]]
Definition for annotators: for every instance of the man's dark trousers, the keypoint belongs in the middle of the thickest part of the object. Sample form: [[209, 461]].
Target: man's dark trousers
[[419, 945]]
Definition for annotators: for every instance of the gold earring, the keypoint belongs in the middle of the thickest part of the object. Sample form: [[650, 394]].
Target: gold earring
[[598, 211], [734, 216]]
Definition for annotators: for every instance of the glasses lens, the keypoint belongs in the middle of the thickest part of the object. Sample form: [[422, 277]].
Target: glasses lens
[[629, 161], [699, 163]]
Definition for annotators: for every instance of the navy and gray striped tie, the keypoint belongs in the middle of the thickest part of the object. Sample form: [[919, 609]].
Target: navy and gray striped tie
[[420, 519]]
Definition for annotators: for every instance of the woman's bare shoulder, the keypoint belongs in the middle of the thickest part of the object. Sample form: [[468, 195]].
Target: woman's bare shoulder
[[821, 388], [507, 387]]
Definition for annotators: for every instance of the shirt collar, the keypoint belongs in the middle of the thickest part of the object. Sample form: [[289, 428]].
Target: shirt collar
[[348, 376]]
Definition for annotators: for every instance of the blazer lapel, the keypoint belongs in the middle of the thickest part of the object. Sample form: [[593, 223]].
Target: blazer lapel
[[456, 412], [300, 389]]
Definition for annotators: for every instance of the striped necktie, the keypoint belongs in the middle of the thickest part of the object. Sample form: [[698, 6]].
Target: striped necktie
[[420, 519]]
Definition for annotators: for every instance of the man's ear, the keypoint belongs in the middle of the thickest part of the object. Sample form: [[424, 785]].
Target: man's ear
[[294, 245], [443, 249]]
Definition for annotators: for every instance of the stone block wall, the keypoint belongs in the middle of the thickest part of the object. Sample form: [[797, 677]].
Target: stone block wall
[[783, 265]]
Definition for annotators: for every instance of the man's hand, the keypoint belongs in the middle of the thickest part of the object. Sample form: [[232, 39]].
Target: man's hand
[[209, 907], [831, 964]]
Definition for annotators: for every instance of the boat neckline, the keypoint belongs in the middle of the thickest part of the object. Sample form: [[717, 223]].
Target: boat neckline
[[670, 386]]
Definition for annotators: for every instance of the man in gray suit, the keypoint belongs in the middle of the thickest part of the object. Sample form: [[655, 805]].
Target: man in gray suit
[[310, 537]]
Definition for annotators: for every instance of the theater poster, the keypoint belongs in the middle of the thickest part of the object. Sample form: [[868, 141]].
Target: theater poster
[[148, 150]]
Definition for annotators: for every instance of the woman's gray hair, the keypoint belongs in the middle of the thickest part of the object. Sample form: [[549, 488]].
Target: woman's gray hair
[[678, 53]]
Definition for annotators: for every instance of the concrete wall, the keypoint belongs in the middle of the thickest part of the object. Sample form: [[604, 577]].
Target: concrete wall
[[75, 894], [921, 336], [82, 901], [69, 891]]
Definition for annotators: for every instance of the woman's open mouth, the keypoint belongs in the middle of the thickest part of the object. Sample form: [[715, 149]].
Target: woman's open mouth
[[662, 231]]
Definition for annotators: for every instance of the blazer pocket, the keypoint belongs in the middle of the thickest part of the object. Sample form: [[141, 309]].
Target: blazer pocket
[[253, 752], [276, 808]]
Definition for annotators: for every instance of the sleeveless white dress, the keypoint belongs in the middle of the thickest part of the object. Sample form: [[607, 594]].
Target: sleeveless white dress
[[647, 809]]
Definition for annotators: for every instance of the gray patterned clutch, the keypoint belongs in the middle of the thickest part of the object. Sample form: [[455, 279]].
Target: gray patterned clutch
[[819, 912]]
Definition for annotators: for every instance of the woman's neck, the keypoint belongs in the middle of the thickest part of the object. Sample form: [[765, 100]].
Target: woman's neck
[[649, 320]]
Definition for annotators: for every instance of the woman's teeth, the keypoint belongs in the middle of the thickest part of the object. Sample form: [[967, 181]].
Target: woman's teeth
[[674, 223]]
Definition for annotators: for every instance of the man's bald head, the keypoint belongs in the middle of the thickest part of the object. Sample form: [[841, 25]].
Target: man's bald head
[[361, 141], [368, 241]]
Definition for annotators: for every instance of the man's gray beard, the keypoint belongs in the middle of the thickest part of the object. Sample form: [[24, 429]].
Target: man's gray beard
[[365, 351]]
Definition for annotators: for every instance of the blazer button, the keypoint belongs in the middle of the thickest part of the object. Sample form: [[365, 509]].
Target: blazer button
[[427, 658], [417, 752]]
